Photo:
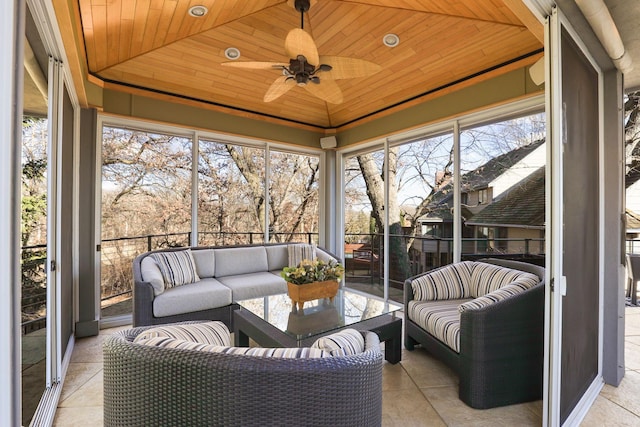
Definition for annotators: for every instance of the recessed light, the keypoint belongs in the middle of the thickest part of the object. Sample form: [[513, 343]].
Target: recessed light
[[391, 40], [232, 53], [198, 11]]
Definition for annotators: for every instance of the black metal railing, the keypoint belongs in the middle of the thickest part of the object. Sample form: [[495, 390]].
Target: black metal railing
[[364, 259], [412, 255], [33, 260]]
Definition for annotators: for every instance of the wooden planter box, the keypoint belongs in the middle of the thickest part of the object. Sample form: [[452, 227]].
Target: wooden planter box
[[300, 294]]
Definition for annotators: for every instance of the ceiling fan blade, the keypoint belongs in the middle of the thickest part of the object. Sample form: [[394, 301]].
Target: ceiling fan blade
[[346, 68], [327, 90], [299, 42], [255, 65], [278, 88]]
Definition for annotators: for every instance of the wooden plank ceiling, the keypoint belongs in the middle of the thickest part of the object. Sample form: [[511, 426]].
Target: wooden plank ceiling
[[156, 45]]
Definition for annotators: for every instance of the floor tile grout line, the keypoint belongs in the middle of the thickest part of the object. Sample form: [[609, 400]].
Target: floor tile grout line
[[424, 396]]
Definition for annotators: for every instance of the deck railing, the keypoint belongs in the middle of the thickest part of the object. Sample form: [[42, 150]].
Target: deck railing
[[364, 260]]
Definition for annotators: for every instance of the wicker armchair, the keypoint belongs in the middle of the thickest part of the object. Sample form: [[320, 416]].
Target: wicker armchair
[[501, 356], [146, 385]]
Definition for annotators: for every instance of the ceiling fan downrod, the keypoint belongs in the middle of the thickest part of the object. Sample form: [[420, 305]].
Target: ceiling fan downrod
[[302, 6]]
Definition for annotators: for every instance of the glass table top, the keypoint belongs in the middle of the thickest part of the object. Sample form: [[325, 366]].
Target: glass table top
[[319, 316]]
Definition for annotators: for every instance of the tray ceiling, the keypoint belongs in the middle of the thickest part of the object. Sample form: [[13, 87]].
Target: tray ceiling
[[158, 47]]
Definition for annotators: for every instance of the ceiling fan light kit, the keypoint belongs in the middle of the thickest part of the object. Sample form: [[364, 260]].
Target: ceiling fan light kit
[[306, 66]]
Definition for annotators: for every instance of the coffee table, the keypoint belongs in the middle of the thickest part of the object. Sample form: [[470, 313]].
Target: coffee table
[[274, 321]]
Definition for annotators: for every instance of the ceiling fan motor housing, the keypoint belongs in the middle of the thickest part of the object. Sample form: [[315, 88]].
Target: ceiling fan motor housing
[[302, 6]]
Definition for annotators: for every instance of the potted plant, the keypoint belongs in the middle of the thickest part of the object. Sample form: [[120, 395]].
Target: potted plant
[[312, 280]]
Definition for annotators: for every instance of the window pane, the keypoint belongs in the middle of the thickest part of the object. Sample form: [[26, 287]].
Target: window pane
[[146, 204], [231, 196], [425, 191], [293, 197], [502, 182], [364, 221], [33, 262]]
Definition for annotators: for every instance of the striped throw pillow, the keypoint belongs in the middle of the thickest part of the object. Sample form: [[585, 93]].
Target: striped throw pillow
[[486, 278], [282, 353], [177, 268], [343, 343], [300, 251], [214, 333], [503, 293], [448, 282]]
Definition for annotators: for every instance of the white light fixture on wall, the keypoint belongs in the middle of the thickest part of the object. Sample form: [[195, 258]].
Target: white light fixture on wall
[[536, 72]]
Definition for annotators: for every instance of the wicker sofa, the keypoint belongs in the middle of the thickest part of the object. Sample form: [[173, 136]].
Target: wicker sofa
[[485, 320], [159, 386], [223, 275]]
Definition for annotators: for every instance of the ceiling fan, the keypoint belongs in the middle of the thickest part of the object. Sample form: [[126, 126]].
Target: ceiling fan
[[307, 69]]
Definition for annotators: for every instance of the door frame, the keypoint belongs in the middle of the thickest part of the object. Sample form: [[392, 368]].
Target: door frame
[[556, 284]]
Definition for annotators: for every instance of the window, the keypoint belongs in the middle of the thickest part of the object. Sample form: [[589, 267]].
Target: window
[[483, 196]]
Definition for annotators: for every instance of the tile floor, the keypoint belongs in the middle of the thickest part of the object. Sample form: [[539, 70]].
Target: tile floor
[[419, 391]]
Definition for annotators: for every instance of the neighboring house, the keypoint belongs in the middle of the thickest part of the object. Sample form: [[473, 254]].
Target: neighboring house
[[502, 199], [518, 217]]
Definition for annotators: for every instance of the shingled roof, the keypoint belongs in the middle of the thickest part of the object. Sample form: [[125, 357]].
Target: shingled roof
[[523, 205], [479, 178], [483, 175]]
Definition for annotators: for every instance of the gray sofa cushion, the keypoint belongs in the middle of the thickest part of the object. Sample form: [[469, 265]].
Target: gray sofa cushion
[[277, 257], [234, 261], [202, 295], [254, 285], [323, 256], [205, 262], [151, 273]]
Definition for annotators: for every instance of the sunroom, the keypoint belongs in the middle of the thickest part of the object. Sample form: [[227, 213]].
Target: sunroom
[[443, 131]]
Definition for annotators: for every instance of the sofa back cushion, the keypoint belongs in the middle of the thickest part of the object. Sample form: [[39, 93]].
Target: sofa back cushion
[[342, 343], [282, 353], [448, 282], [486, 278], [177, 267], [277, 257], [205, 262], [503, 293], [215, 333], [245, 260], [151, 273]]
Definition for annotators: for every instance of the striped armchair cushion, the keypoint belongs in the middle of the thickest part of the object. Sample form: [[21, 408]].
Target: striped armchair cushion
[[486, 278], [283, 353], [449, 282], [503, 293], [214, 333], [439, 318], [343, 343]]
